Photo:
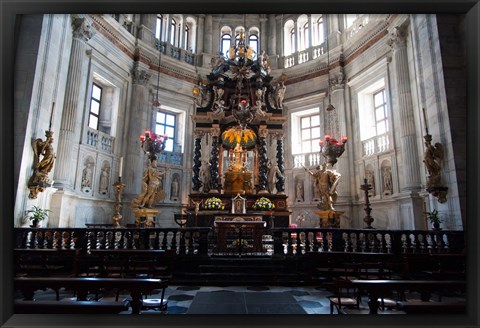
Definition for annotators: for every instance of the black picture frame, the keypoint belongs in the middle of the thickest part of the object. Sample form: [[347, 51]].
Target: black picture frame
[[10, 8]]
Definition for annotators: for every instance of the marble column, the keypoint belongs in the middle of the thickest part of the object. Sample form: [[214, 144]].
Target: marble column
[[272, 33], [139, 121], [411, 164], [207, 37], [200, 36], [263, 33], [280, 174], [263, 160], [216, 40], [197, 163], [214, 186], [339, 127], [74, 103]]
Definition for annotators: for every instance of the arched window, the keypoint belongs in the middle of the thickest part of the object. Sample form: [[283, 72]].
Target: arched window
[[253, 43], [318, 31], [291, 41], [159, 27], [186, 38], [225, 44], [303, 37], [173, 31]]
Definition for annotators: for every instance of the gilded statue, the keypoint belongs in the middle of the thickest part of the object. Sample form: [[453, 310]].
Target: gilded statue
[[432, 158], [325, 185], [152, 193], [41, 166]]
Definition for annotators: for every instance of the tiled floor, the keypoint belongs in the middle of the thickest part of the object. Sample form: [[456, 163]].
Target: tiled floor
[[237, 300]]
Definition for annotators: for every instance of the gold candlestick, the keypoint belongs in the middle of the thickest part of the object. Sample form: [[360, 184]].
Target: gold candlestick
[[117, 216]]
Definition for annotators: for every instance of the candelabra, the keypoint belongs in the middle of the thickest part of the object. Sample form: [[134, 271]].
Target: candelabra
[[153, 144], [117, 216], [368, 218], [332, 149]]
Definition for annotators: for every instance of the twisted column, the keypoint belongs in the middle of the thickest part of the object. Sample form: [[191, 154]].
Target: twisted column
[[280, 174], [73, 104], [411, 163], [263, 161], [215, 132], [197, 163]]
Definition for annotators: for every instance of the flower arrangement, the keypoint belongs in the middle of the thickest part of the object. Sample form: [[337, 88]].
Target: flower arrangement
[[263, 204], [213, 203], [238, 242]]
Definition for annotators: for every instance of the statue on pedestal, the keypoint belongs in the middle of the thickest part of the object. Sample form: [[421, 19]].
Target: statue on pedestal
[[325, 185], [151, 192]]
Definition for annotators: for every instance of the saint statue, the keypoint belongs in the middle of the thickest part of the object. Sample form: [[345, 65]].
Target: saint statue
[[175, 187], [104, 177], [325, 185], [432, 158], [87, 176], [41, 166], [152, 192]]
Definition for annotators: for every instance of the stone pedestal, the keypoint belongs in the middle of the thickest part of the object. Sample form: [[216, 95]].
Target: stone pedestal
[[329, 219], [145, 217]]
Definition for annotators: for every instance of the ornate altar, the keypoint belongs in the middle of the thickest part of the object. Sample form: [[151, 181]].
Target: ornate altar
[[238, 127]]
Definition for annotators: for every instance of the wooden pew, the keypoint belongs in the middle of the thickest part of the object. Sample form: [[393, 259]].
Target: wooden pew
[[382, 288], [46, 262], [136, 287]]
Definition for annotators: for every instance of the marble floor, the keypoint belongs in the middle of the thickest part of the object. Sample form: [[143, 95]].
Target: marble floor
[[236, 300]]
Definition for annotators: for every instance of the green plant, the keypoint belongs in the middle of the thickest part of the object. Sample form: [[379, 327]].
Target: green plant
[[433, 217], [37, 214]]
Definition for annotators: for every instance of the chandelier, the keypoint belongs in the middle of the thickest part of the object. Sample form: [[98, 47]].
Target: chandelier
[[156, 102], [153, 144], [330, 147]]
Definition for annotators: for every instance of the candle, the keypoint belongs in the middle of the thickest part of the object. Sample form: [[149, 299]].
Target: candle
[[120, 170], [425, 120], [51, 117]]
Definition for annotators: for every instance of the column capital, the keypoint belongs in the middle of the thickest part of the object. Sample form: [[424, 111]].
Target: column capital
[[82, 29], [198, 133], [140, 76], [398, 37], [215, 131], [263, 131], [337, 82], [279, 135]]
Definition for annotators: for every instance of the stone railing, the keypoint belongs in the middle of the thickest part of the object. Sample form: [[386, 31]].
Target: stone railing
[[286, 241], [360, 23], [99, 140], [308, 160], [375, 145]]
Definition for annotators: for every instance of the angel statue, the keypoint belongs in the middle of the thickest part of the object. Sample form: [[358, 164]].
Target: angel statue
[[325, 185], [432, 158], [41, 167], [152, 192]]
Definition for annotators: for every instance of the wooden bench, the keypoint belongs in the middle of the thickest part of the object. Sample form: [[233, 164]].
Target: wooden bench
[[382, 288], [45, 261], [135, 286], [78, 307]]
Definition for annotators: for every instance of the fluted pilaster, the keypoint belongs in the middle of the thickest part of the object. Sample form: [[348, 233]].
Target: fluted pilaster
[[73, 104], [139, 121], [272, 35], [200, 35], [405, 107], [207, 37]]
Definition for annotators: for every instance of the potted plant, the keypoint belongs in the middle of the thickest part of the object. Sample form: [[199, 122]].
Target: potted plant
[[37, 214], [434, 218]]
